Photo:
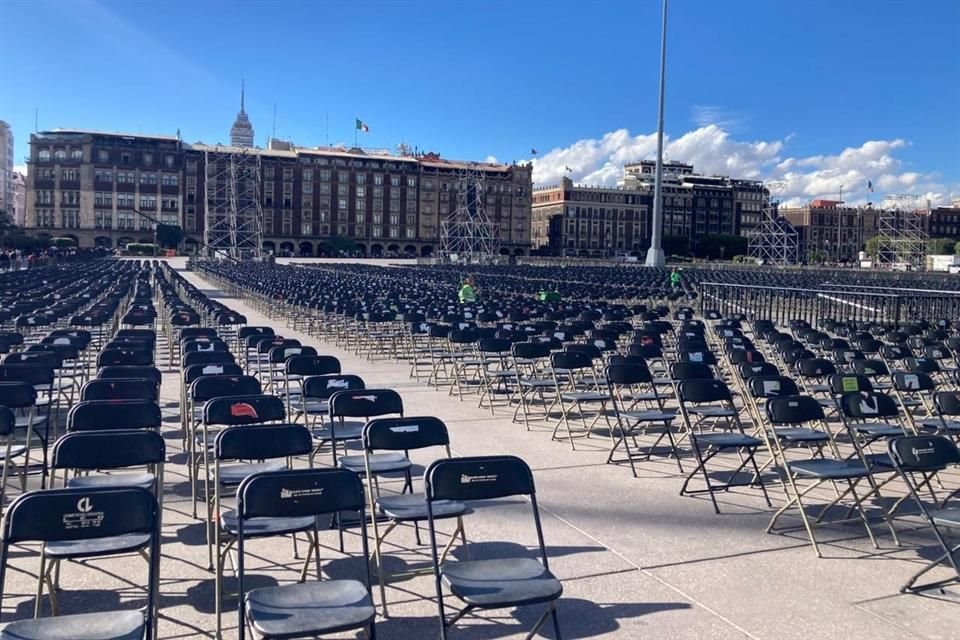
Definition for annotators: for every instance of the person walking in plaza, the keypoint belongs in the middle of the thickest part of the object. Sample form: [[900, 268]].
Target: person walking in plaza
[[674, 279], [468, 292]]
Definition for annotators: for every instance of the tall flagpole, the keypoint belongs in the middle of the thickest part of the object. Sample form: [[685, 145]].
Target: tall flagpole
[[356, 133], [655, 256]]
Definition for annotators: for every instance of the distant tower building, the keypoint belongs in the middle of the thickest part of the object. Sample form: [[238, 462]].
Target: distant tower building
[[241, 133], [6, 168]]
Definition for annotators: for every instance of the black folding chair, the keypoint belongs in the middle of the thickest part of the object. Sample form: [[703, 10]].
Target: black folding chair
[[917, 460], [306, 609], [496, 583], [365, 404], [99, 521]]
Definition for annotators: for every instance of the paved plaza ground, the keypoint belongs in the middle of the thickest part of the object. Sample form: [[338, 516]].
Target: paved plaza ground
[[636, 560]]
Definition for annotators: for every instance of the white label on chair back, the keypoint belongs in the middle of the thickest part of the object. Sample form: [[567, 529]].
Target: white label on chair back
[[292, 351], [467, 315], [600, 344], [406, 428], [465, 479], [508, 327], [61, 341], [695, 356], [911, 382], [212, 368], [208, 347], [367, 398], [463, 325], [85, 517], [771, 386], [868, 406], [559, 335], [337, 384], [727, 333], [424, 326]]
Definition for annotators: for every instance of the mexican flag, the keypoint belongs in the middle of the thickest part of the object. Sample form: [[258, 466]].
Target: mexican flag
[[362, 126]]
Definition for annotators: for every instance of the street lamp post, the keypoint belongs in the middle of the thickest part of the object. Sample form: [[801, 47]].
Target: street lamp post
[[655, 256]]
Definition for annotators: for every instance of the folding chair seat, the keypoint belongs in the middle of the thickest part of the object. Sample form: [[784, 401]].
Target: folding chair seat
[[636, 406], [495, 583], [271, 446], [917, 460], [365, 404], [308, 609], [708, 404], [129, 514]]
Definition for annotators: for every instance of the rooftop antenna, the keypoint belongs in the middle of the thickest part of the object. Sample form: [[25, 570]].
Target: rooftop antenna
[[273, 132]]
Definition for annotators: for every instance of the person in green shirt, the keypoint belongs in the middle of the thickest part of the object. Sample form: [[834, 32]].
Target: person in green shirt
[[675, 279], [467, 291]]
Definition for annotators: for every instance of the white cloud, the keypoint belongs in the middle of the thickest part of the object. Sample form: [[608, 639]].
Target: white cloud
[[20, 168], [491, 159], [712, 150]]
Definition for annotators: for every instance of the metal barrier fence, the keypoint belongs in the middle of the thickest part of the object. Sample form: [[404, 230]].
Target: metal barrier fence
[[840, 302]]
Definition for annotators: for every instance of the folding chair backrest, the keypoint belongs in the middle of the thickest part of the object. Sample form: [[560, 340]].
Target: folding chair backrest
[[107, 415], [312, 365], [8, 421], [206, 387], [299, 492], [249, 409], [862, 405], [119, 389], [123, 356], [946, 402], [207, 357], [65, 515], [923, 453], [91, 450], [701, 356], [366, 403], [922, 365], [753, 370], [195, 371], [478, 478], [909, 382], [871, 367], [570, 360], [263, 442], [530, 350], [280, 354], [841, 383], [619, 359], [794, 409], [680, 371], [323, 386], [245, 333], [17, 395], [405, 434], [745, 356], [772, 386], [628, 374], [701, 390]]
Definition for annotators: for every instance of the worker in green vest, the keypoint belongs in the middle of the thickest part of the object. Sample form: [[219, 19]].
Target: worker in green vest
[[675, 279], [468, 293]]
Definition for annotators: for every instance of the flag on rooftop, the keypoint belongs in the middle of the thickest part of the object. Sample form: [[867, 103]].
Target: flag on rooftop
[[533, 151], [870, 186], [362, 126]]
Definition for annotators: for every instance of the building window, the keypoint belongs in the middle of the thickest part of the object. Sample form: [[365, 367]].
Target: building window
[[342, 204], [325, 188], [102, 220], [148, 159], [268, 172], [378, 179], [342, 190], [60, 154], [307, 187], [148, 202], [343, 176], [361, 191], [325, 175], [103, 175], [411, 182], [43, 156], [411, 233], [306, 228], [170, 202], [169, 180], [103, 199], [125, 200], [76, 154], [376, 231], [360, 204], [70, 218], [307, 175], [360, 217], [288, 173], [168, 161], [361, 178]]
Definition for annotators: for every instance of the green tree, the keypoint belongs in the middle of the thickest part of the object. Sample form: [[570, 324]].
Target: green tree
[[63, 242], [169, 236], [721, 245], [873, 247], [941, 246], [676, 245]]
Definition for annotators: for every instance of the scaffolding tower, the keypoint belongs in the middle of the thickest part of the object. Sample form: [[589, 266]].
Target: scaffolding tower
[[468, 234], [775, 241], [902, 233], [233, 215]]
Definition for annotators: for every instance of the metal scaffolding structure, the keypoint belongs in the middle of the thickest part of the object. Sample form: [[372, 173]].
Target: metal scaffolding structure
[[233, 215], [468, 234], [775, 241], [902, 233]]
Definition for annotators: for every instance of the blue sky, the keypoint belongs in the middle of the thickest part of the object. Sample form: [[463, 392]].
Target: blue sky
[[817, 93]]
